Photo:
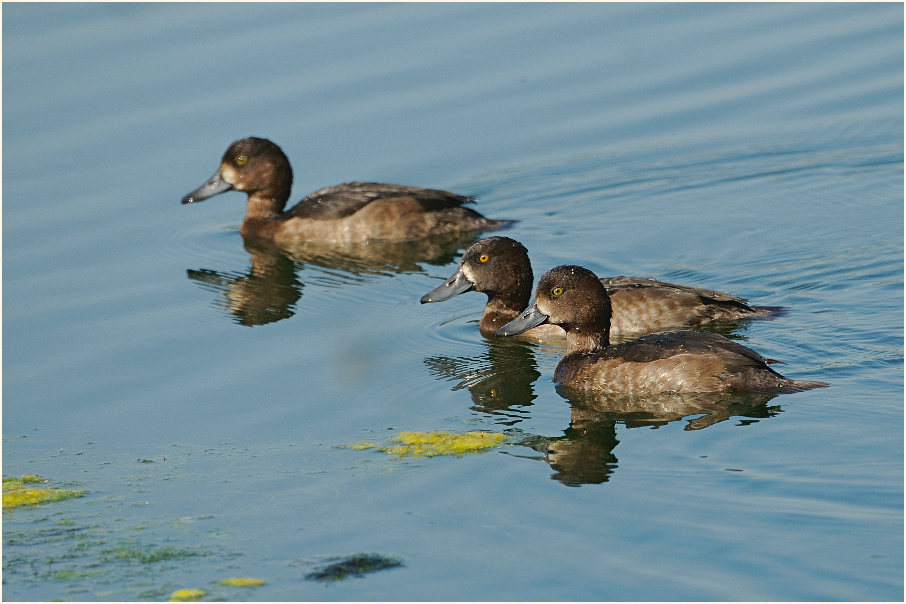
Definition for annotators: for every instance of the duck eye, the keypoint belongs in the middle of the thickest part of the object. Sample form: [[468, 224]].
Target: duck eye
[[483, 258], [241, 160], [557, 291]]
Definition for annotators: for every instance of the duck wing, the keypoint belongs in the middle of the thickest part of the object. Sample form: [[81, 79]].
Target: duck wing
[[342, 200], [743, 368], [691, 305], [621, 282], [686, 341]]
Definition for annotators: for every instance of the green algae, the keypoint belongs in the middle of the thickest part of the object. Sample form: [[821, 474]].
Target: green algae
[[130, 552], [187, 595], [25, 479], [357, 565], [360, 446], [73, 575], [242, 582], [19, 492], [431, 444]]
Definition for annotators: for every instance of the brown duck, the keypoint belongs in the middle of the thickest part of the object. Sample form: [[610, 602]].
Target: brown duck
[[676, 361], [500, 268], [350, 212]]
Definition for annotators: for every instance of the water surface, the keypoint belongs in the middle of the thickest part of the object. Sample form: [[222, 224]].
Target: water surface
[[201, 389]]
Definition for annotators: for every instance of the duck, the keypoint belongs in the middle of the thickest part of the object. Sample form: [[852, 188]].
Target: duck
[[500, 267], [680, 361], [345, 213]]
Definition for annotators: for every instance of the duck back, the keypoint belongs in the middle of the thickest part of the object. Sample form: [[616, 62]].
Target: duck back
[[345, 199], [678, 361]]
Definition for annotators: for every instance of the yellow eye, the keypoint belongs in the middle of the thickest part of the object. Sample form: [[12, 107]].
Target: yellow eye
[[483, 258], [557, 291], [241, 160]]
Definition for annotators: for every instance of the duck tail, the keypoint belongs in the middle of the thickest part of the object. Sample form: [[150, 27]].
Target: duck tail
[[769, 312], [801, 385]]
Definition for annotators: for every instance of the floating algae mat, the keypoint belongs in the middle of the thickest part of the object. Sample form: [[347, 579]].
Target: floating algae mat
[[353, 566], [24, 491], [242, 582], [187, 595], [194, 594], [430, 444], [138, 553]]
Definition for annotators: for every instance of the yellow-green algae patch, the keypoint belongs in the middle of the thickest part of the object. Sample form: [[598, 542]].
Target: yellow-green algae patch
[[19, 492], [360, 446], [186, 595], [430, 444], [242, 582]]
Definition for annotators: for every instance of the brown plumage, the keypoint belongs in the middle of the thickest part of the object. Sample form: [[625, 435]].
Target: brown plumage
[[677, 361], [500, 268], [355, 211]]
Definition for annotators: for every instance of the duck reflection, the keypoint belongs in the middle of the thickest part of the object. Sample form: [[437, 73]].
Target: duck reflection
[[270, 288], [585, 452], [500, 380], [634, 411], [267, 292]]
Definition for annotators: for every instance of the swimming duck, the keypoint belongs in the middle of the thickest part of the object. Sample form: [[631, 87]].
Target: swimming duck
[[500, 268], [676, 361], [350, 212]]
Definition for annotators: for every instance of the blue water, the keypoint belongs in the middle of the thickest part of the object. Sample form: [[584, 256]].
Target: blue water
[[201, 392]]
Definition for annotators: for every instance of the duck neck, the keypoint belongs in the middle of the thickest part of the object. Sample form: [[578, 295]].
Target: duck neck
[[507, 298], [585, 341], [264, 207], [500, 310]]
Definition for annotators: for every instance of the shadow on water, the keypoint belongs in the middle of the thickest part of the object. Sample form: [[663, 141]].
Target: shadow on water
[[584, 454], [270, 288]]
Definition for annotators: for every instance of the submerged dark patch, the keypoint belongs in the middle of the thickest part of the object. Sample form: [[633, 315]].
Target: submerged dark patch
[[357, 565]]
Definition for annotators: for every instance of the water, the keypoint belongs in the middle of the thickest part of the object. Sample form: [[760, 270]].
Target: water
[[201, 392]]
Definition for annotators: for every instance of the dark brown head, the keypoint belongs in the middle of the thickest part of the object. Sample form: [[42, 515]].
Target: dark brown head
[[573, 298], [253, 165], [498, 267], [495, 266]]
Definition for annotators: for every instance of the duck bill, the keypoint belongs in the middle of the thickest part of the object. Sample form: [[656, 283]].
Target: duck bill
[[455, 285], [530, 317], [214, 186]]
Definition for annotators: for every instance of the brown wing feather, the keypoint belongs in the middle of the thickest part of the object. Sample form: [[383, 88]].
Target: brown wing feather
[[342, 200], [613, 283], [671, 343], [684, 306]]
